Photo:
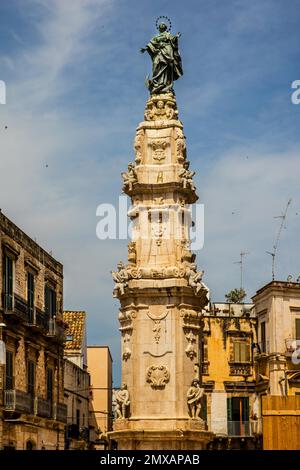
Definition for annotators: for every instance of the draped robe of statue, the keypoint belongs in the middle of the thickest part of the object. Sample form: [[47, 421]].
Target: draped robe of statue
[[166, 60]]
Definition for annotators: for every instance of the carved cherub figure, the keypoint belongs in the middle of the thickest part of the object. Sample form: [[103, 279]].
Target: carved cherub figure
[[122, 402], [129, 177], [187, 176], [194, 395], [121, 279], [194, 278]]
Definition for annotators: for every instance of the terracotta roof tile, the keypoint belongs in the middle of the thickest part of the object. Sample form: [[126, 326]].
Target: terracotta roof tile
[[76, 328]]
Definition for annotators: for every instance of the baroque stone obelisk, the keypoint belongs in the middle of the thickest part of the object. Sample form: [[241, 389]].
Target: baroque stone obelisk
[[160, 291]]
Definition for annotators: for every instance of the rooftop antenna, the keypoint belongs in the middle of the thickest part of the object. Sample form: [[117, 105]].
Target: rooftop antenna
[[275, 246], [242, 254]]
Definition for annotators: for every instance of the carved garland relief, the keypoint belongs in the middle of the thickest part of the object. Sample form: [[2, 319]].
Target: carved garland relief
[[157, 376]]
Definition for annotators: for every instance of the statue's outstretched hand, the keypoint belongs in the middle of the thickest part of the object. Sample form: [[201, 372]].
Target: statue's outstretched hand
[[178, 35], [142, 50]]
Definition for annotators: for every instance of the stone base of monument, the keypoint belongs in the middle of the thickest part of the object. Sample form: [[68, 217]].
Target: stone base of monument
[[162, 434]]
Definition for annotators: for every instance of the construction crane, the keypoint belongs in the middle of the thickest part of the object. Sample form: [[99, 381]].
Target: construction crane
[[242, 254], [275, 246]]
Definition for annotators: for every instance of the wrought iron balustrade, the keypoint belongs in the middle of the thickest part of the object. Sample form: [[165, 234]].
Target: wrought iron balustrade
[[61, 412], [240, 368], [239, 428], [56, 330], [16, 400], [44, 408]]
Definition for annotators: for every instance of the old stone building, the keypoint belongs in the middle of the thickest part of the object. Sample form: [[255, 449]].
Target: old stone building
[[77, 381], [32, 409], [277, 364], [228, 375], [277, 308]]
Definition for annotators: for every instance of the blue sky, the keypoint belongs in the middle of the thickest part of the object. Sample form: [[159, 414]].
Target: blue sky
[[75, 94]]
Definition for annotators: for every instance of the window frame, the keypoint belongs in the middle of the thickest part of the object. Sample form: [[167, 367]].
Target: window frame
[[8, 281], [30, 294], [9, 364]]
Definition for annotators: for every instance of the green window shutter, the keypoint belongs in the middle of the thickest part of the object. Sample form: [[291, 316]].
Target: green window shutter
[[54, 306], [245, 405], [8, 282], [229, 409], [30, 294], [9, 371]]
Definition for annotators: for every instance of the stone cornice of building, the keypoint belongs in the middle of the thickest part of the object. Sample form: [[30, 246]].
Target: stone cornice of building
[[31, 264], [241, 386], [15, 233], [208, 386], [146, 289], [160, 124], [239, 333], [278, 287], [10, 247], [167, 186]]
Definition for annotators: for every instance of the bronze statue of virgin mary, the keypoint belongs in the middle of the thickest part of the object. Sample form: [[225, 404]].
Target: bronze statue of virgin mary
[[166, 61]]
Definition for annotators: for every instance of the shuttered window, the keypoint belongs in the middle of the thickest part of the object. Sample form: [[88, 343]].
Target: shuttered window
[[241, 350], [30, 377], [238, 409], [49, 384], [8, 282], [30, 295], [9, 371], [263, 336], [50, 302]]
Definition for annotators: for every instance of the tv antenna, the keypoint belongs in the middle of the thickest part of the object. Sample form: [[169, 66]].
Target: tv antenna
[[242, 254], [275, 246]]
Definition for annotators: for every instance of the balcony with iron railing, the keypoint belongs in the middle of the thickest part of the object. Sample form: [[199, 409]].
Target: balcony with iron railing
[[61, 412], [239, 428], [16, 400], [75, 431], [22, 402], [44, 407], [56, 330], [37, 319], [261, 349], [7, 302], [16, 307], [240, 368]]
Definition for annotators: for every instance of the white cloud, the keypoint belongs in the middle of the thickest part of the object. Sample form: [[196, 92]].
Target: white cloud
[[59, 162], [242, 193]]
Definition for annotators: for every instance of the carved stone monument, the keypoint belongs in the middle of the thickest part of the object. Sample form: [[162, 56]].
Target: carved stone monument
[[160, 290]]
